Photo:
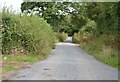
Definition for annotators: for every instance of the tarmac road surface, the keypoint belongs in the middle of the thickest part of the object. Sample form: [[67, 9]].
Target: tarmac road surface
[[68, 62]]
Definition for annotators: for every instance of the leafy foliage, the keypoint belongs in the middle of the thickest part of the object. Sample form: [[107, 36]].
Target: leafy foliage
[[61, 36], [99, 34], [76, 38], [29, 33], [101, 51], [87, 22]]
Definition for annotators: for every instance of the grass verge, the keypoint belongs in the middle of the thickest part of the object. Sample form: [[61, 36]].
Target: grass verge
[[102, 52], [14, 62]]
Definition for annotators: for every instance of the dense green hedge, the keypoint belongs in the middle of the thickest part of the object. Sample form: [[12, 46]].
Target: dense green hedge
[[26, 34], [76, 38], [61, 36]]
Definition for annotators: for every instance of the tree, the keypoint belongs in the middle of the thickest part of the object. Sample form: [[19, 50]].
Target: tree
[[71, 16]]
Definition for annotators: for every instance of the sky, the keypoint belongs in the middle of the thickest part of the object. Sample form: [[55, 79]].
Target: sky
[[15, 4]]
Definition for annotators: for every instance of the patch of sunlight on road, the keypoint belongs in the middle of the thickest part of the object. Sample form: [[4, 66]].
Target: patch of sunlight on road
[[70, 44]]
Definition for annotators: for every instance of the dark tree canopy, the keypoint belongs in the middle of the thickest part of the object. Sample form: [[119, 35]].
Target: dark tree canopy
[[71, 16]]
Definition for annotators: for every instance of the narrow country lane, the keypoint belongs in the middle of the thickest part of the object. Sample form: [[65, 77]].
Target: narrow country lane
[[68, 62]]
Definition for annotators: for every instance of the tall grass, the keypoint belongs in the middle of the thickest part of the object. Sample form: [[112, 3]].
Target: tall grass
[[101, 51]]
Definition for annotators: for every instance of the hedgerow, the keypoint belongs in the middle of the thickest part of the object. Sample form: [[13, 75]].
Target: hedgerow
[[26, 34], [61, 36]]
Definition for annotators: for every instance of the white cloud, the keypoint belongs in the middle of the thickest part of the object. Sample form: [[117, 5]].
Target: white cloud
[[15, 4]]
